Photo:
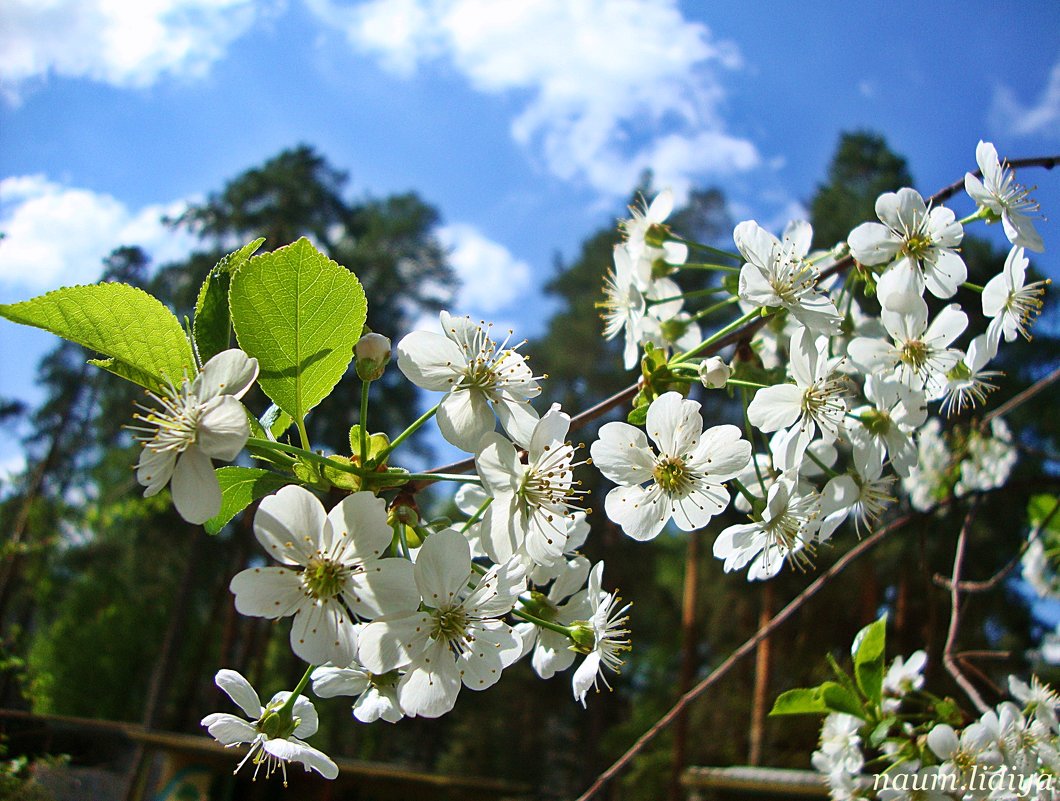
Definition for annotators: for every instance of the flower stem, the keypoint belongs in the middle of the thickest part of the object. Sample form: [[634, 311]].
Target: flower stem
[[403, 540], [723, 254], [700, 265], [753, 385], [304, 436], [714, 290], [973, 287], [441, 477], [313, 456], [981, 213], [724, 332], [408, 432], [288, 705], [751, 498], [477, 516], [711, 309], [545, 624], [831, 472], [363, 421]]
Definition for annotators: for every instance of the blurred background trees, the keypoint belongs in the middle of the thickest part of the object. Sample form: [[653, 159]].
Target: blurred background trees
[[113, 607]]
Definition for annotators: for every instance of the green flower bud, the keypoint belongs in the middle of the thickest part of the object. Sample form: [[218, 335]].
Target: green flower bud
[[372, 354]]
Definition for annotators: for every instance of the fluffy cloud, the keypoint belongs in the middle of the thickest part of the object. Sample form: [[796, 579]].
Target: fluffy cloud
[[1042, 117], [490, 276], [121, 43], [608, 87], [56, 235]]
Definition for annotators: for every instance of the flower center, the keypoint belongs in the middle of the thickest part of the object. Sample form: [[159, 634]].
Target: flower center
[[877, 422], [671, 474], [450, 625], [917, 245], [174, 425], [915, 354], [792, 278], [324, 578]]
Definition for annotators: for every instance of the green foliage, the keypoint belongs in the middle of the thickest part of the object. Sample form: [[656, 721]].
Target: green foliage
[[142, 339], [828, 697], [299, 314], [868, 659], [212, 325], [240, 487]]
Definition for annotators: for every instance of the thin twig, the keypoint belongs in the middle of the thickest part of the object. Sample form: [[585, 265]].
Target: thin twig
[[949, 651], [745, 649], [1020, 398]]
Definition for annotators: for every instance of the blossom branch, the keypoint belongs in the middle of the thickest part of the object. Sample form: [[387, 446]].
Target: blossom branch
[[949, 652]]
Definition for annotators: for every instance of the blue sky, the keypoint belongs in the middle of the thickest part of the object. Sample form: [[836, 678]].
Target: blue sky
[[525, 123]]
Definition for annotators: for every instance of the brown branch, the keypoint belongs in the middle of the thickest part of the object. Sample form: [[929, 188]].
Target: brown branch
[[746, 332], [949, 651], [1021, 398], [748, 646]]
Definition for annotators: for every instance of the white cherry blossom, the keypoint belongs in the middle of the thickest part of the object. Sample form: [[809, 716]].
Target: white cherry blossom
[[886, 426], [567, 600], [777, 274], [999, 193], [624, 306], [921, 242], [274, 739], [1010, 302], [332, 573], [376, 694], [457, 638], [683, 481], [603, 637], [475, 373], [199, 421]]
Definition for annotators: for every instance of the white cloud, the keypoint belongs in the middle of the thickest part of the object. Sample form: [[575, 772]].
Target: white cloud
[[1042, 117], [56, 235], [490, 276], [120, 42], [608, 87]]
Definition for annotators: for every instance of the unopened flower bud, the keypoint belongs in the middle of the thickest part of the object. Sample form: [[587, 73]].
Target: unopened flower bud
[[372, 354], [714, 372]]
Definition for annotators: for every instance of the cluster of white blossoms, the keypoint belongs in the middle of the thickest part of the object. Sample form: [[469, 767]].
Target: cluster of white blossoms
[[402, 613], [843, 385], [1010, 751]]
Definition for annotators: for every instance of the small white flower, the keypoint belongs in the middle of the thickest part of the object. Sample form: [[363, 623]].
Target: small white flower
[[865, 494], [603, 638], [333, 573], [533, 503], [990, 460], [928, 482], [199, 421], [777, 275], [967, 383], [273, 737], [624, 306], [475, 373], [816, 399], [376, 694], [646, 233], [1011, 304], [684, 481], [905, 674], [1003, 197], [785, 531], [921, 242], [1039, 698], [919, 355], [457, 638], [886, 427], [567, 600]]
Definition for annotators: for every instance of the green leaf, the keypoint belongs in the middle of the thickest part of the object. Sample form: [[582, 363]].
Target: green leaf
[[299, 314], [1040, 510], [638, 416], [241, 486], [212, 328], [142, 340], [377, 443], [868, 659], [829, 697]]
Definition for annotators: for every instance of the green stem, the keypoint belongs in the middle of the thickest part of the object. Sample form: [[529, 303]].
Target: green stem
[[269, 445], [408, 432], [288, 705], [981, 213], [750, 431], [724, 332], [753, 385], [304, 436], [702, 265], [714, 290], [403, 540], [973, 287], [467, 479], [711, 309], [477, 516], [545, 624], [831, 473], [363, 421], [723, 254], [751, 498]]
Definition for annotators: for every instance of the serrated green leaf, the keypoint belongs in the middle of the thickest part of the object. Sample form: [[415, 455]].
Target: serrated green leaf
[[240, 487], [637, 416], [212, 328], [869, 659], [829, 697], [142, 340], [299, 314]]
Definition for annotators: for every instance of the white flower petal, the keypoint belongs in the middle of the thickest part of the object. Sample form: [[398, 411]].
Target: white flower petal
[[270, 592], [239, 690], [228, 729], [290, 524], [230, 372], [223, 428], [430, 361], [196, 491]]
